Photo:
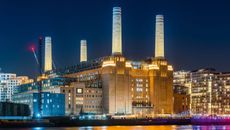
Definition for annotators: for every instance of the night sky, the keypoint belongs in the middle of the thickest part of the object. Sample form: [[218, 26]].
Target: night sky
[[197, 32]]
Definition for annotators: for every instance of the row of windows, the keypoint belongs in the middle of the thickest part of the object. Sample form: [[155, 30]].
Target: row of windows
[[140, 80], [92, 106], [140, 97], [93, 95], [80, 91]]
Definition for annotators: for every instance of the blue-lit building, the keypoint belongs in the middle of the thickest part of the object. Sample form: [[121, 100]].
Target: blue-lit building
[[48, 85], [53, 104]]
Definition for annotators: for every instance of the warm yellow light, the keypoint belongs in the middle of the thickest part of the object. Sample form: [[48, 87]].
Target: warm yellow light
[[153, 67], [108, 63], [42, 77], [117, 31], [159, 37], [83, 56], [128, 65], [163, 63], [170, 68], [48, 54]]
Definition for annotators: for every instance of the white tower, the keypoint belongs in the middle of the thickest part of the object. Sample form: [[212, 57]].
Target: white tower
[[48, 54], [117, 36], [83, 56], [159, 36]]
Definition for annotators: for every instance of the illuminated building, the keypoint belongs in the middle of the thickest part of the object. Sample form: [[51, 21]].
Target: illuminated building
[[80, 97], [181, 92], [208, 90], [222, 93], [85, 96], [8, 82], [127, 89], [199, 84], [116, 89], [51, 96], [83, 56], [24, 79], [143, 88], [48, 54], [161, 74], [181, 77], [117, 32], [201, 91], [140, 90], [115, 85], [53, 104], [181, 100]]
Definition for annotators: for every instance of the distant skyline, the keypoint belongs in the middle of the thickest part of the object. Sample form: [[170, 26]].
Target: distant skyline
[[196, 32]]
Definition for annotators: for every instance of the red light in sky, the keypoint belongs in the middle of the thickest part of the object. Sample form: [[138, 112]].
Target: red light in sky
[[32, 47]]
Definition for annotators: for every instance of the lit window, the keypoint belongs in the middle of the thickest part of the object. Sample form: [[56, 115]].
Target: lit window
[[79, 90], [139, 89]]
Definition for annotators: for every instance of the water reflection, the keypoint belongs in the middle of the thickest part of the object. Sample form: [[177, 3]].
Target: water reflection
[[173, 127]]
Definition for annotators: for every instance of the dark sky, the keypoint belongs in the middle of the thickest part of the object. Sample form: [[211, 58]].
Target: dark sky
[[197, 32]]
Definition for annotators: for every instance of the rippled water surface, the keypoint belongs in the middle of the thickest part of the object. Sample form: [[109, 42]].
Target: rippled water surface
[[167, 127]]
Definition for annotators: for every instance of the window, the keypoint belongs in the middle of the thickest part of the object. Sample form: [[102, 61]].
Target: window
[[139, 89], [79, 90]]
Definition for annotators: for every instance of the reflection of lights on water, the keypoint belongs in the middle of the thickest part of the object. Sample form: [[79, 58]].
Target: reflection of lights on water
[[38, 128], [164, 127], [89, 128], [86, 128], [104, 127], [174, 127], [183, 127]]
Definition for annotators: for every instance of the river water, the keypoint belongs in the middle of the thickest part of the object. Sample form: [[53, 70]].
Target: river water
[[164, 127]]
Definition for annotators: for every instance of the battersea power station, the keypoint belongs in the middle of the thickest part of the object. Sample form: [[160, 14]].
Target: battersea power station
[[111, 85]]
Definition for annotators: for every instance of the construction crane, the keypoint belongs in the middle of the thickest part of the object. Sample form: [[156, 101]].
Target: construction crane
[[39, 63], [41, 75], [35, 56], [39, 114]]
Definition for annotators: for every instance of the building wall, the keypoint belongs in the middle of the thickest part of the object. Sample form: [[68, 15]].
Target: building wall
[[14, 109], [8, 82], [161, 87], [116, 86], [92, 102], [140, 90], [79, 98], [221, 94], [125, 86], [114, 81], [209, 91], [201, 92], [181, 103], [52, 104]]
